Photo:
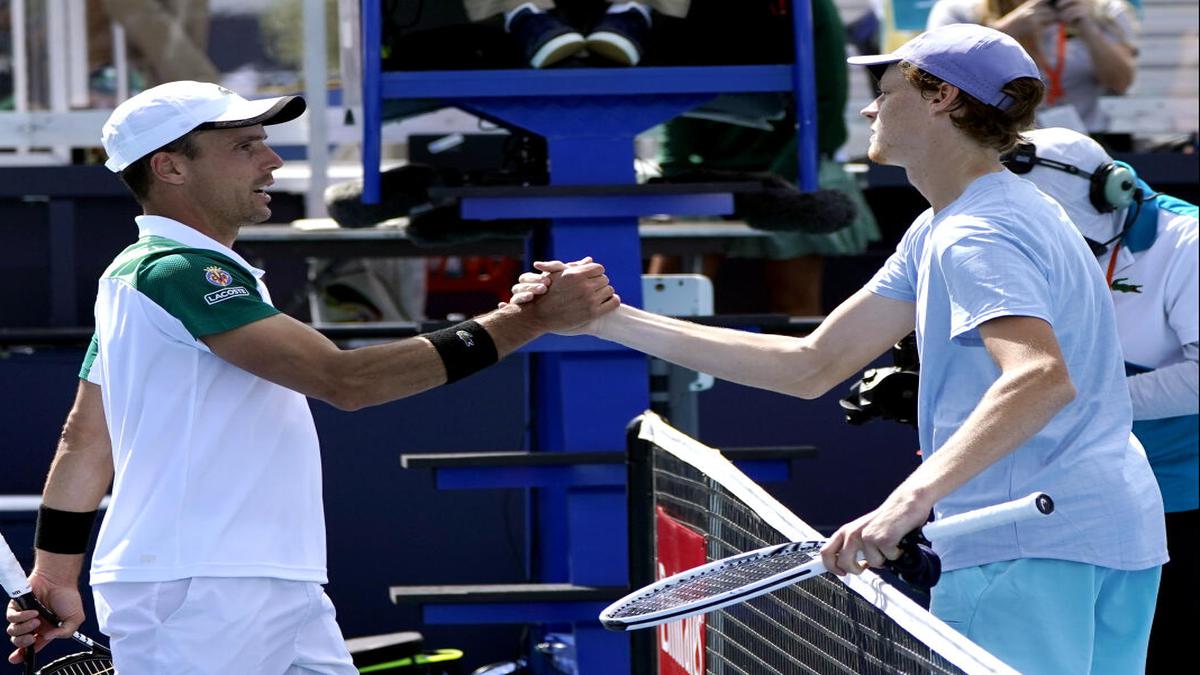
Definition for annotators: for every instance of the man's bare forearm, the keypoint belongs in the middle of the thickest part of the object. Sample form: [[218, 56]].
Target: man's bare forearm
[[79, 476], [1013, 410], [1018, 404], [1114, 63], [774, 362], [82, 469], [296, 356], [855, 333]]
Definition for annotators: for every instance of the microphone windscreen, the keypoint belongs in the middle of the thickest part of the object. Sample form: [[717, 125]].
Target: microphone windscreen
[[779, 206], [790, 210], [443, 225], [401, 190]]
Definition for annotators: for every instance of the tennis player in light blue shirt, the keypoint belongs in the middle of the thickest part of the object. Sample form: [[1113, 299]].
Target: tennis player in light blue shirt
[[1005, 249], [990, 267], [1022, 382]]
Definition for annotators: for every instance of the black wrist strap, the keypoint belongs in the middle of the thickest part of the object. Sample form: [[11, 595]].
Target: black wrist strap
[[465, 348], [66, 532]]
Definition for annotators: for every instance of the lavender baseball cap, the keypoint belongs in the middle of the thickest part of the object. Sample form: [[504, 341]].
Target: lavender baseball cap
[[976, 59]]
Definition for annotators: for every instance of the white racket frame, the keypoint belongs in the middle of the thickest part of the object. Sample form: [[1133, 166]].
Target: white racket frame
[[1035, 505]]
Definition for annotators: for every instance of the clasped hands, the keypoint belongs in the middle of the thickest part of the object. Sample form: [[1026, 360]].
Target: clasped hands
[[569, 298]]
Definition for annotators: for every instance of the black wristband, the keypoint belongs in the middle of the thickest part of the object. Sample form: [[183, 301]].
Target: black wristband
[[66, 532], [465, 348]]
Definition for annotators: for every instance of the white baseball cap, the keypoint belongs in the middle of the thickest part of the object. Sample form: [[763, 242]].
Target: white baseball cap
[[1071, 190], [162, 114]]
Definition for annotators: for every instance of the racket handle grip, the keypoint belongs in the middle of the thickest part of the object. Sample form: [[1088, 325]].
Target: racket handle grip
[[920, 566], [30, 601], [1035, 505]]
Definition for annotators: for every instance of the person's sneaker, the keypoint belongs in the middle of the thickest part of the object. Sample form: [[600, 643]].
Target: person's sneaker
[[619, 37], [544, 37]]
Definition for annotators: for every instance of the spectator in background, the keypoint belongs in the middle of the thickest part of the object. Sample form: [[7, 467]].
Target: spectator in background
[[1147, 244], [1085, 49], [546, 39], [167, 39], [794, 261]]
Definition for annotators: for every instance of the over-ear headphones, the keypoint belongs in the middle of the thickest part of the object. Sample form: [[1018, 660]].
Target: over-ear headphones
[[1112, 186]]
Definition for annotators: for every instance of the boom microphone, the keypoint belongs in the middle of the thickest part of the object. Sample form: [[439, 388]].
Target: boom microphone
[[778, 206], [401, 190]]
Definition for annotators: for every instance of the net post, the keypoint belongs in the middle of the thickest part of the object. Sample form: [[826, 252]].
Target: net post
[[640, 510]]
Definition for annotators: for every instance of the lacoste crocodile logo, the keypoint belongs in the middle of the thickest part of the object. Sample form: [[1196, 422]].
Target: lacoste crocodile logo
[[1119, 286]]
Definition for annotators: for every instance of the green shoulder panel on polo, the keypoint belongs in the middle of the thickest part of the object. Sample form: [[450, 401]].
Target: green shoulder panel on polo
[[208, 292], [90, 357]]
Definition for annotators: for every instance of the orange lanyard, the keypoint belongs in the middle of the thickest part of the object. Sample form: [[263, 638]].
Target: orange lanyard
[[1112, 264], [1055, 74]]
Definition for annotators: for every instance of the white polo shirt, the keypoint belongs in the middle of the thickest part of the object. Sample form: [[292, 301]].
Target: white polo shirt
[[217, 471], [1156, 295], [1154, 292]]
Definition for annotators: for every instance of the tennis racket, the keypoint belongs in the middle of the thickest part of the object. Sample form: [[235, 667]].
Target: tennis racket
[[96, 661], [748, 575]]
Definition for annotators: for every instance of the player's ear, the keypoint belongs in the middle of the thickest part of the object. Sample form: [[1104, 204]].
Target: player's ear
[[943, 99], [164, 167]]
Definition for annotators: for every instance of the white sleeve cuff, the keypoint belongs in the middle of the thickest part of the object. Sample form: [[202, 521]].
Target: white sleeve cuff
[[1169, 391]]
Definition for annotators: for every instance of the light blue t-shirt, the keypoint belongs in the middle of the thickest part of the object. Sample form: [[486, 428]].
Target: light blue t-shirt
[[1005, 249]]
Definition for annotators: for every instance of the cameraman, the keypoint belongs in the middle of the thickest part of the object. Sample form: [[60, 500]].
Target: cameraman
[[1085, 48], [1146, 243]]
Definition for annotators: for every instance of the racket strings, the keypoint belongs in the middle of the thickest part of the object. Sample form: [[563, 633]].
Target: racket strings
[[717, 581], [79, 664]]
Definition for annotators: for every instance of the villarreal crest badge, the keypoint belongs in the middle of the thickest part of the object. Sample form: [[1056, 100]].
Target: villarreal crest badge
[[217, 276]]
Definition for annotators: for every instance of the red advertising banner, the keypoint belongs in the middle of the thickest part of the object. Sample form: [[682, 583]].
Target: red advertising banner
[[680, 643]]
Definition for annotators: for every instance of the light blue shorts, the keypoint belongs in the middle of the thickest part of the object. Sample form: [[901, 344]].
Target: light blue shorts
[[1053, 616]]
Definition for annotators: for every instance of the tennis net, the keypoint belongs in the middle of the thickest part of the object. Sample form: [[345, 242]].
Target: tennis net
[[690, 505]]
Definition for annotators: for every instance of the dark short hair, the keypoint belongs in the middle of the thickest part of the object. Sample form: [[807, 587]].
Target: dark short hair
[[986, 124], [136, 176]]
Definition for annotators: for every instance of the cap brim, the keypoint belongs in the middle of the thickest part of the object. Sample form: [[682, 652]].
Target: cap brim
[[874, 60], [261, 111]]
